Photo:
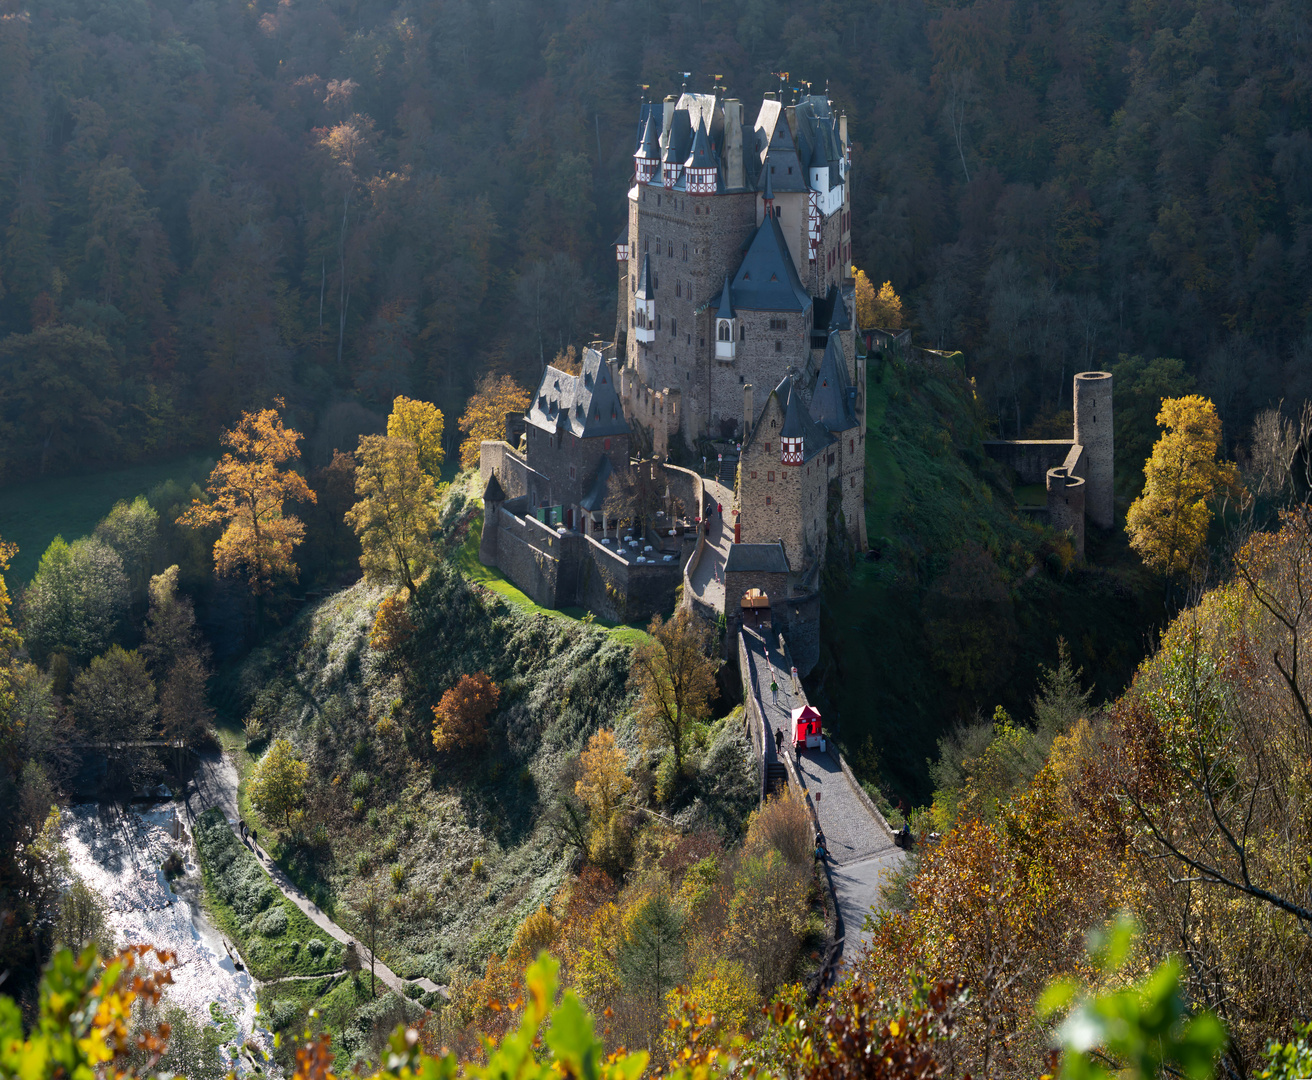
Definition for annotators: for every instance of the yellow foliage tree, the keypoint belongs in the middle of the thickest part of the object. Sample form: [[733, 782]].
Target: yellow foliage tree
[[603, 787], [277, 783], [248, 490], [396, 514], [882, 307], [485, 415], [421, 423], [1168, 523]]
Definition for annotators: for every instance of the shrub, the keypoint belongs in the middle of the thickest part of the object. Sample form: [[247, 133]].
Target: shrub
[[477, 870], [390, 848], [317, 948], [360, 784], [783, 824], [398, 876], [282, 1014], [273, 922], [357, 808], [362, 863], [373, 818]]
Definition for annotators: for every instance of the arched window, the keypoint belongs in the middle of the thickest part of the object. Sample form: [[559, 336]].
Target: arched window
[[725, 333]]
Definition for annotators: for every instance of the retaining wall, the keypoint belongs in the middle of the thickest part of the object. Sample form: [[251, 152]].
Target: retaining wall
[[1029, 459]]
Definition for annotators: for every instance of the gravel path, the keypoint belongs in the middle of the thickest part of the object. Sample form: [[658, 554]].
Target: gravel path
[[707, 579], [216, 785]]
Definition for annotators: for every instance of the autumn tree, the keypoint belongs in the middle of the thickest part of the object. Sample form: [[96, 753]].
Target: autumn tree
[[1168, 523], [634, 494], [485, 415], [396, 513], [881, 308], [421, 423], [248, 489], [460, 718], [393, 626], [602, 787], [277, 783], [674, 674]]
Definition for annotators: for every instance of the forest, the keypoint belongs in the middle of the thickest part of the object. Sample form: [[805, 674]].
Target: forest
[[207, 204]]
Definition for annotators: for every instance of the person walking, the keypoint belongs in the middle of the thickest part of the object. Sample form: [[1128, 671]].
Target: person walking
[[774, 689], [778, 740]]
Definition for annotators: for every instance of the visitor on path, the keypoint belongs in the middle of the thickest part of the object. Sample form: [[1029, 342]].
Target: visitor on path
[[719, 510], [242, 823], [774, 689], [255, 841], [821, 848], [778, 736]]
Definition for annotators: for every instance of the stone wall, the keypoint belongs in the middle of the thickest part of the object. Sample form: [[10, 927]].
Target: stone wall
[[782, 502], [619, 590], [1029, 459], [763, 358], [513, 473], [530, 555], [1093, 430], [566, 465]]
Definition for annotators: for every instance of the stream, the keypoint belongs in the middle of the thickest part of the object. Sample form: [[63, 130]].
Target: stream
[[117, 851]]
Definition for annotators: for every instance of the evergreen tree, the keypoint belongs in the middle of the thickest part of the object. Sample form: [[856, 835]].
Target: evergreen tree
[[1060, 701], [651, 955]]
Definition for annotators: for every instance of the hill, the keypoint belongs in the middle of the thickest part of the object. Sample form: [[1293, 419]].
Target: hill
[[964, 596]]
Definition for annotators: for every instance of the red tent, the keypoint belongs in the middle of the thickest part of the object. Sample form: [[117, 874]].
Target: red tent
[[806, 727]]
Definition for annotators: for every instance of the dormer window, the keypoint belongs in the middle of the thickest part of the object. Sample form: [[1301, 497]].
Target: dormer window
[[790, 451]]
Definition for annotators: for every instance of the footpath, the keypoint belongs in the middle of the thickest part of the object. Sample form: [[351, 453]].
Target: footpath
[[216, 785], [861, 850]]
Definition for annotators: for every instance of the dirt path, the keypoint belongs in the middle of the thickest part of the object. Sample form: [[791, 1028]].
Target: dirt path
[[216, 785]]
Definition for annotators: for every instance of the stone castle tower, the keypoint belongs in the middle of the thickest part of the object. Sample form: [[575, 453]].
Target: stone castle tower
[[735, 261], [1093, 431]]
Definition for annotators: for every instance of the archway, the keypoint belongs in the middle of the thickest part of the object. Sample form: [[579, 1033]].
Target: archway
[[755, 606]]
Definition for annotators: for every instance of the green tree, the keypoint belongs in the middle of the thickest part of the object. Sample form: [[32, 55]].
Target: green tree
[[1060, 700], [1168, 523], [674, 674], [81, 919], [1141, 387], [77, 599], [132, 530], [650, 957], [371, 908], [114, 698], [277, 783], [396, 514]]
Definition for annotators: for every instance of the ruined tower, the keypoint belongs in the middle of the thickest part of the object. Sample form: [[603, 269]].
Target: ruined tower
[[1093, 431]]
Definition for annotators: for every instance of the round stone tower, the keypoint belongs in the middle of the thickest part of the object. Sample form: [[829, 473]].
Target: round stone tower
[[1093, 431], [1066, 505]]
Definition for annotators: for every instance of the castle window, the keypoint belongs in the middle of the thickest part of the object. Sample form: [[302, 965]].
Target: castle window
[[725, 333], [851, 445], [678, 288], [572, 473], [658, 200], [767, 445], [753, 474], [769, 476], [768, 500], [674, 327], [778, 324], [670, 249], [685, 252], [778, 346], [742, 332], [605, 444], [701, 343], [853, 484]]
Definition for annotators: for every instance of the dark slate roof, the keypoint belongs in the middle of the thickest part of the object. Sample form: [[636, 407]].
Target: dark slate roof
[[833, 400], [701, 156], [649, 139], [646, 286], [725, 310], [756, 559], [676, 150], [766, 279], [768, 193], [623, 237], [494, 492], [839, 319], [779, 155], [585, 405], [595, 499], [797, 420]]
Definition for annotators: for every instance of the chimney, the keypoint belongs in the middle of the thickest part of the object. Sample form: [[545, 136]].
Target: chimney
[[842, 129], [666, 121], [749, 413], [790, 111], [734, 177], [770, 95]]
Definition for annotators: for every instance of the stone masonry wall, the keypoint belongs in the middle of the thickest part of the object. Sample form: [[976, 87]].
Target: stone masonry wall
[[764, 357], [1030, 459], [782, 502]]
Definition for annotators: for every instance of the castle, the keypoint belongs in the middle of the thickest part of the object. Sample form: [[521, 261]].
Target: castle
[[734, 277], [734, 274]]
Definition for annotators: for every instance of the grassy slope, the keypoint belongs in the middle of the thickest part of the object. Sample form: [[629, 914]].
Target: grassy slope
[[352, 713], [891, 626], [33, 514]]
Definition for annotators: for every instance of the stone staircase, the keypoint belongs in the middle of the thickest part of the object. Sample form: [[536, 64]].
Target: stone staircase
[[776, 777], [728, 473]]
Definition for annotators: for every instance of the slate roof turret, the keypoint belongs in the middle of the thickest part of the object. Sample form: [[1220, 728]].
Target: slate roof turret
[[798, 423], [725, 310], [833, 401], [649, 146], [646, 283], [701, 156]]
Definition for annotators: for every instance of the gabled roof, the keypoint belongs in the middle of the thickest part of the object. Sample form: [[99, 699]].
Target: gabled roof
[[833, 400], [767, 279], [839, 319], [585, 405], [725, 310], [646, 283], [778, 153], [494, 492], [756, 559]]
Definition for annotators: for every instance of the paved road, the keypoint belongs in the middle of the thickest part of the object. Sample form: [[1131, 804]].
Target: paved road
[[707, 579], [216, 785], [861, 852]]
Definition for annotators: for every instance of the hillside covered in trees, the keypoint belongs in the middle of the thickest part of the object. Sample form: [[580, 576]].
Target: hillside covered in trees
[[207, 204]]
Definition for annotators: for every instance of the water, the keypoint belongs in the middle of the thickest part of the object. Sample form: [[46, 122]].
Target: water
[[118, 854]]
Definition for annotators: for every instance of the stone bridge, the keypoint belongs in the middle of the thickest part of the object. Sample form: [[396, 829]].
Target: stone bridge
[[860, 841]]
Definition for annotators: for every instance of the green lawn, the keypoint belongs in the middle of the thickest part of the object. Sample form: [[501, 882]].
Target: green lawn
[[33, 514], [466, 559]]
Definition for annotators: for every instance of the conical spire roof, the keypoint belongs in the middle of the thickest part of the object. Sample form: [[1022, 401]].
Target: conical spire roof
[[646, 287], [701, 157], [833, 401], [650, 147], [726, 301]]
